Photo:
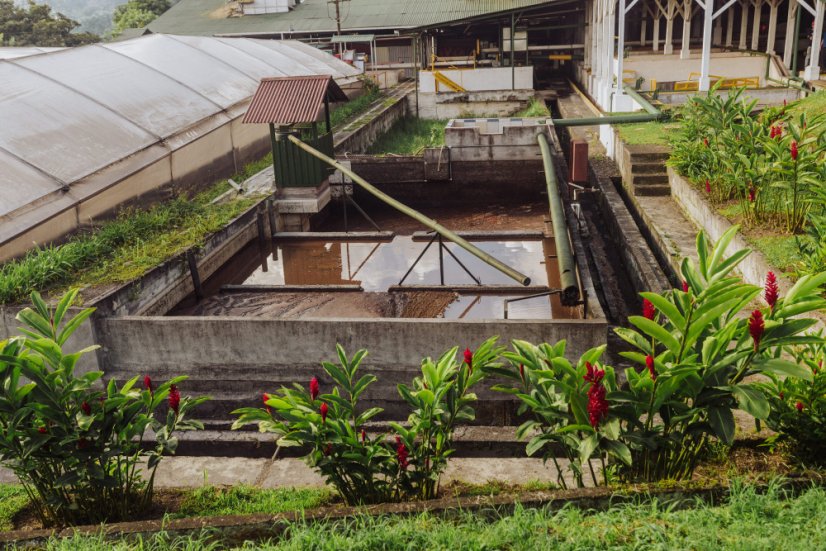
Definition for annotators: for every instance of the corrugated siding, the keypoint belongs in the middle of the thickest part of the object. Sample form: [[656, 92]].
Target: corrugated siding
[[211, 17], [289, 100]]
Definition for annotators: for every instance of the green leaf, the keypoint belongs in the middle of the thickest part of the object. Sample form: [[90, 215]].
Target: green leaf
[[657, 332], [721, 420], [619, 450], [587, 447], [751, 400], [782, 367]]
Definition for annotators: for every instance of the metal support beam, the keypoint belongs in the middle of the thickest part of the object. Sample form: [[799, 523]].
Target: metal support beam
[[705, 61], [416, 215]]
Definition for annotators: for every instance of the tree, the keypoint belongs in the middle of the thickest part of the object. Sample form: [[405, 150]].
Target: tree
[[36, 25], [137, 14]]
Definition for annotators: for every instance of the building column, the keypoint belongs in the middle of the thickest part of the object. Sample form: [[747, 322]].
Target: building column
[[788, 43], [589, 28], [730, 27], [717, 35], [668, 47], [655, 32], [755, 27], [773, 5], [744, 23], [643, 24], [812, 72], [705, 60], [685, 50]]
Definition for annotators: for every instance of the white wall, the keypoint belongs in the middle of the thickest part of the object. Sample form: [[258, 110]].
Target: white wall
[[483, 79], [670, 68]]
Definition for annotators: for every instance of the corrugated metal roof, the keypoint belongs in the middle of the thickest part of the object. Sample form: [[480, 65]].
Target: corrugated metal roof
[[291, 100], [213, 17], [344, 38]]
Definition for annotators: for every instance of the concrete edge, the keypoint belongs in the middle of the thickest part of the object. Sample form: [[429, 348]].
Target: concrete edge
[[234, 529]]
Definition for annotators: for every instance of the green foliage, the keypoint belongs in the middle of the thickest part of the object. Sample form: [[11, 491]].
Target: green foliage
[[556, 394], [372, 469], [13, 499], [36, 25], [345, 112], [136, 14], [119, 250], [771, 163], [798, 406], [410, 136], [74, 443], [648, 133], [245, 500], [536, 108], [703, 349]]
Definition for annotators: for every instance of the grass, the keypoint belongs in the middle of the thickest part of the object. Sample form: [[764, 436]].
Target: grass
[[346, 111], [244, 500], [13, 499], [535, 108], [749, 520], [648, 133], [410, 136], [813, 104]]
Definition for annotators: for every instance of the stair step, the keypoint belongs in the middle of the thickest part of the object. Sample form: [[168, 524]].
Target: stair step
[[649, 157], [649, 168], [653, 191], [644, 180]]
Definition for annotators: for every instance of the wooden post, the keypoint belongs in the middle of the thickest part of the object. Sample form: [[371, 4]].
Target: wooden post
[[193, 272]]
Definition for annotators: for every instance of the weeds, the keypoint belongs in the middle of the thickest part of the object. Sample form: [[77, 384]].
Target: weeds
[[410, 136]]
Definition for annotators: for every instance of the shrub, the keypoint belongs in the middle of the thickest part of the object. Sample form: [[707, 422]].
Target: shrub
[[798, 407], [387, 467], [568, 407], [76, 445]]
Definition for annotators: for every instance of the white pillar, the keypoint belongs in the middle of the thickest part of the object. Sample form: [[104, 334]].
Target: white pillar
[[610, 27], [755, 27], [773, 5], [744, 23], [788, 43], [685, 50], [730, 27], [668, 47], [643, 26], [655, 33], [587, 53], [812, 72], [705, 60], [620, 45]]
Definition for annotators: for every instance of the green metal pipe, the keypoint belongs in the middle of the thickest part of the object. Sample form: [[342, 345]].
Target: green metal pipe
[[416, 215], [644, 103], [564, 257], [613, 119]]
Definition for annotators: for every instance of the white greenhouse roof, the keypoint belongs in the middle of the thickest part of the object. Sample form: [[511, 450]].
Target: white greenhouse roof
[[68, 114]]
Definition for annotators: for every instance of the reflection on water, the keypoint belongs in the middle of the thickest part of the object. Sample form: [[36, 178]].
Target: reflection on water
[[377, 266]]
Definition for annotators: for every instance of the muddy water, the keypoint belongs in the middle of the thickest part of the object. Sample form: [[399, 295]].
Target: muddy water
[[376, 266]]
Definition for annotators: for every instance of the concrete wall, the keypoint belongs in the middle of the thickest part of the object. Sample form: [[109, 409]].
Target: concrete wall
[[764, 96], [494, 139], [670, 68], [480, 80], [458, 105], [236, 359], [360, 139]]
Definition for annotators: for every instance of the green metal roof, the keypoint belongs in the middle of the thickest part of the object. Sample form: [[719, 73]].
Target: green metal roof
[[212, 17]]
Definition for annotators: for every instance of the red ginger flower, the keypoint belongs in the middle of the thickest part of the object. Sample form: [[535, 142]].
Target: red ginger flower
[[592, 374], [649, 363], [522, 372], [597, 404], [86, 408], [314, 388], [756, 327], [401, 453], [708, 186], [685, 286], [648, 310], [771, 293], [363, 436], [705, 142], [147, 383], [752, 195], [174, 398], [266, 397], [781, 395], [793, 150], [42, 430], [469, 359], [323, 409], [799, 406]]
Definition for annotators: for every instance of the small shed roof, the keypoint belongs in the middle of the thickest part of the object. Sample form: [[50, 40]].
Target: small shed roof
[[292, 100], [352, 38]]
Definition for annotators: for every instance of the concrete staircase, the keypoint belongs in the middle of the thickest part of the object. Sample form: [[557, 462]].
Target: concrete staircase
[[646, 166]]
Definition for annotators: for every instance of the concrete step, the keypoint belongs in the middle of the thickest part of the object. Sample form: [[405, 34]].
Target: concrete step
[[649, 157], [645, 180], [653, 191], [656, 167]]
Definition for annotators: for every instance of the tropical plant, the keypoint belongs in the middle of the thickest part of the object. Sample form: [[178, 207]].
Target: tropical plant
[[700, 350], [76, 445], [798, 406], [387, 467], [568, 408]]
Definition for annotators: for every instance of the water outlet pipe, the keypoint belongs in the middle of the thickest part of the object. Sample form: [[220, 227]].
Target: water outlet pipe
[[570, 295], [416, 215], [651, 114]]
